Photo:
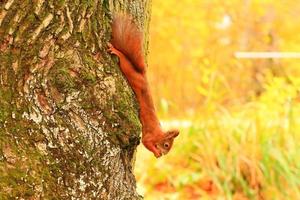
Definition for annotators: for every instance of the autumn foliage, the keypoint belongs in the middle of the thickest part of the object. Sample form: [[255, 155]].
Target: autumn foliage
[[239, 118]]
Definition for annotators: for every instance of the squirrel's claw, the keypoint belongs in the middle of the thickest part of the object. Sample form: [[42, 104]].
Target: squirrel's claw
[[112, 49], [110, 46]]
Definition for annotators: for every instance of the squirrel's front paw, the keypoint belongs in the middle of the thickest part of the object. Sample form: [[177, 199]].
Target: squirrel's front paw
[[150, 145]]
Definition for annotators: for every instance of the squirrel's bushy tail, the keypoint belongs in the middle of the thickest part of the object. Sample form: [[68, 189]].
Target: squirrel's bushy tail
[[127, 38]]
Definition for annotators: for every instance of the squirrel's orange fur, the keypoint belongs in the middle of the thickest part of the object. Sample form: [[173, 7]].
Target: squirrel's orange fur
[[127, 43]]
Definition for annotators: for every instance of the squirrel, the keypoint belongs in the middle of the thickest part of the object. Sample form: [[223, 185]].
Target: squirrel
[[127, 45]]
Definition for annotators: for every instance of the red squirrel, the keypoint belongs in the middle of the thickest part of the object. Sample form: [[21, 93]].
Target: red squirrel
[[127, 45]]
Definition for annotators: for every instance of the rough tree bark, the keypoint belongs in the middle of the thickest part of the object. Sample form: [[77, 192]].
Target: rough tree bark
[[69, 122]]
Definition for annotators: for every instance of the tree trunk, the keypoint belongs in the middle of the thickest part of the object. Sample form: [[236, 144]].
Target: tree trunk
[[69, 122]]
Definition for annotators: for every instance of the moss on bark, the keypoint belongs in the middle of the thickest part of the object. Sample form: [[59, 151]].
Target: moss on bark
[[68, 120]]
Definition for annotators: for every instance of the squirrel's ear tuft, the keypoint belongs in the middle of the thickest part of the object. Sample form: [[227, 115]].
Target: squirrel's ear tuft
[[172, 134]]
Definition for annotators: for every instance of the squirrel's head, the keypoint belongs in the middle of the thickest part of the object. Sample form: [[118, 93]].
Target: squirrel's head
[[165, 144]]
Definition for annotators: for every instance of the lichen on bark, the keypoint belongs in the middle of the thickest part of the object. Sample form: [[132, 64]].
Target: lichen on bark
[[68, 120]]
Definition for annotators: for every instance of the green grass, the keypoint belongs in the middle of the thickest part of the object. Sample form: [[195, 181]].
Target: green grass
[[248, 152]]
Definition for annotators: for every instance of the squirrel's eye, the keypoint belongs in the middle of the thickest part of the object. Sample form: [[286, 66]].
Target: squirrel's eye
[[166, 145]]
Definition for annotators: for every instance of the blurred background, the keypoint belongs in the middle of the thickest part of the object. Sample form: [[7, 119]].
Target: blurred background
[[239, 118]]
